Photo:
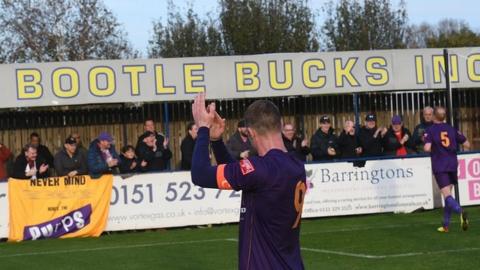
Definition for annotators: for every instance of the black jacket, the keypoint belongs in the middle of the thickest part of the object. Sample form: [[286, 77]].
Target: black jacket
[[391, 144], [370, 146], [159, 160], [126, 163], [187, 146], [21, 164], [46, 155], [321, 142], [295, 147], [418, 133], [346, 145], [156, 160], [236, 145], [65, 164]]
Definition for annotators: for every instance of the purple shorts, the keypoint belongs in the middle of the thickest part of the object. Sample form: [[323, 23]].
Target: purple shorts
[[446, 178]]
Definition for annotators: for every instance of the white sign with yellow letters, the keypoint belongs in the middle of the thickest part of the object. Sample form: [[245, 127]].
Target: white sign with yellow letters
[[230, 77]]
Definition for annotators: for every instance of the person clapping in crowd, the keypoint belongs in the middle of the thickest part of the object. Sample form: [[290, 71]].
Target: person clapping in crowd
[[161, 143], [42, 150], [420, 129], [370, 136], [70, 161], [348, 146], [294, 143], [324, 142], [187, 146], [128, 160], [29, 165], [153, 157], [5, 154], [398, 139], [239, 144], [102, 157]]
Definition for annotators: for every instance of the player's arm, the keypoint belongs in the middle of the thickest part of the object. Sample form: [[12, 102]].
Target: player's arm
[[462, 140], [427, 138], [221, 152], [203, 173]]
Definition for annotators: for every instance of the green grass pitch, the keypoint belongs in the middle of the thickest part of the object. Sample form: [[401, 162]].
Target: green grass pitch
[[381, 241]]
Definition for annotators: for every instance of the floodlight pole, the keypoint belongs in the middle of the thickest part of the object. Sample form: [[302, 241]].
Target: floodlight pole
[[450, 115]]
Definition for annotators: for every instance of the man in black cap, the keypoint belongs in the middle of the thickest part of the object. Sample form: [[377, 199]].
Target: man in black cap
[[152, 157], [239, 145], [324, 142], [370, 137], [70, 161]]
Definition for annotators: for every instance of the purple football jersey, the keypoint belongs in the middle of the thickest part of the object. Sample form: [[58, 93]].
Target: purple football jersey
[[444, 139], [273, 188]]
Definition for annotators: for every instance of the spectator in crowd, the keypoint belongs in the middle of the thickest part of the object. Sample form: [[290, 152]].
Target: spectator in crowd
[[187, 146], [419, 131], [152, 156], [370, 136], [5, 154], [29, 165], [294, 143], [128, 160], [69, 161], [324, 142], [161, 141], [398, 139], [348, 146], [42, 150], [80, 146], [239, 144], [102, 157]]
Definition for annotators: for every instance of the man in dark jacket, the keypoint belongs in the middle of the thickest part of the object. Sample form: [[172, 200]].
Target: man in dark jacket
[[161, 142], [70, 161], [398, 140], [324, 142], [102, 157], [152, 157], [370, 137], [28, 165], [294, 143], [239, 144], [348, 146], [419, 131], [42, 151], [187, 146]]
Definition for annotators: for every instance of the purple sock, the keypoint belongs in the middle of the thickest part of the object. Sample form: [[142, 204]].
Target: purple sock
[[453, 204], [447, 212]]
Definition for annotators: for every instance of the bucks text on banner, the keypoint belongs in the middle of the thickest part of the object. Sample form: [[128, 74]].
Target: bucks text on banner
[[230, 77], [58, 207]]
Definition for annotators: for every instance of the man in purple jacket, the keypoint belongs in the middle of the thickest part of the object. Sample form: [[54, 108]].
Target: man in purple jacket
[[442, 141], [273, 184]]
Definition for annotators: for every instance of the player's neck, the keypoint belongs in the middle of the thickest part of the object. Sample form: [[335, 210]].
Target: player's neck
[[268, 142]]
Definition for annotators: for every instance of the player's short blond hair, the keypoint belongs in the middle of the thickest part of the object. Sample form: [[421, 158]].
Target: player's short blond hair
[[440, 113]]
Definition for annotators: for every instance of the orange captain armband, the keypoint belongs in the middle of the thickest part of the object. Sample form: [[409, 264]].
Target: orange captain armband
[[222, 182]]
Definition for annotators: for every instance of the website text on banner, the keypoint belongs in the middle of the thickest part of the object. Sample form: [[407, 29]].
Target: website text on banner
[[390, 185], [230, 77], [58, 207]]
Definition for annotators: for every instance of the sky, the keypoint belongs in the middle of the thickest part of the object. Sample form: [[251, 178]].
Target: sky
[[136, 16]]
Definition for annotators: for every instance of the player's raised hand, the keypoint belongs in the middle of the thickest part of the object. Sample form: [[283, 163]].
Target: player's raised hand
[[201, 116], [218, 125]]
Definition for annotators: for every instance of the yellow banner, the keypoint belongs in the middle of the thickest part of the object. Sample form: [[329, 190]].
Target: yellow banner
[[58, 207]]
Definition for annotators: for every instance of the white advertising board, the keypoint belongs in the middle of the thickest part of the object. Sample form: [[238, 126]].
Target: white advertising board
[[389, 185]]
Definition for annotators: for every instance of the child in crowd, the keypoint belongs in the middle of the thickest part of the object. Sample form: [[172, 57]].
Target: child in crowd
[[128, 159]]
